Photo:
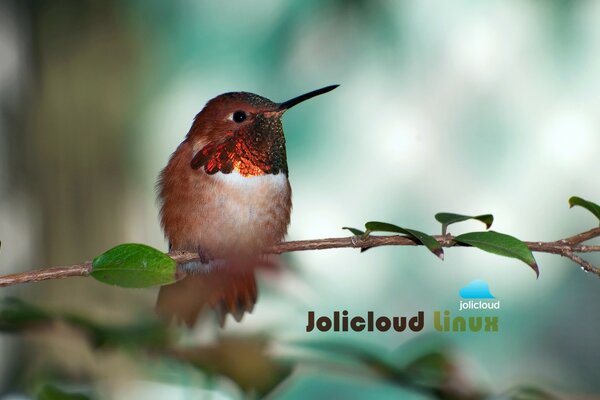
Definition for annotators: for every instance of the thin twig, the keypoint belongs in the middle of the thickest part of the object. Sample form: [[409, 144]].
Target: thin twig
[[43, 274], [585, 265], [565, 247], [582, 237]]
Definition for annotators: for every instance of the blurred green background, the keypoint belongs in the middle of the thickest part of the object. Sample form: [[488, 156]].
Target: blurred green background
[[469, 107]]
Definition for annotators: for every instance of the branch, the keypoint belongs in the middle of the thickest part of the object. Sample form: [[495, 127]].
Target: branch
[[568, 247], [43, 274]]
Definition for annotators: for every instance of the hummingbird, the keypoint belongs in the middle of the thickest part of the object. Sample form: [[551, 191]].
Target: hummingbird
[[225, 194]]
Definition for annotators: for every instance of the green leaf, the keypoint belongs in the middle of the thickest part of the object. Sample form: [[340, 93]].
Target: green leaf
[[420, 237], [500, 244], [134, 266], [356, 232], [450, 218], [588, 205], [51, 392]]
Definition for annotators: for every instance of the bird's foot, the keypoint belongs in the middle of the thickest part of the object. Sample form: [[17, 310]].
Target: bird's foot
[[199, 266]]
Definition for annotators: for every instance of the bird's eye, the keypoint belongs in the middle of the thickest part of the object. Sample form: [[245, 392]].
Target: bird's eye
[[239, 116]]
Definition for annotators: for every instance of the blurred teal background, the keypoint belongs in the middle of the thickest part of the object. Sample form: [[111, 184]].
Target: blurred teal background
[[469, 107]]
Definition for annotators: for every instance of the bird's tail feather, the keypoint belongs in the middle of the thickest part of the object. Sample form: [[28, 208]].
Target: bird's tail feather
[[225, 290]]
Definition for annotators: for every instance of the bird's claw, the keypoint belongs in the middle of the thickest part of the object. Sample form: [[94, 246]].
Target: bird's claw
[[197, 266]]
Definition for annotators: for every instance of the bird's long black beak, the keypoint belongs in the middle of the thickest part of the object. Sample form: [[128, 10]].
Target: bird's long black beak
[[291, 103]]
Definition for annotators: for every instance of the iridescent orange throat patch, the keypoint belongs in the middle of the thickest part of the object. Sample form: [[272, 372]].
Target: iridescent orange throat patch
[[249, 156]]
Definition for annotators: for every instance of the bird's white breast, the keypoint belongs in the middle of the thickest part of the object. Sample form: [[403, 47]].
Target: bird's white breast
[[252, 183], [248, 212]]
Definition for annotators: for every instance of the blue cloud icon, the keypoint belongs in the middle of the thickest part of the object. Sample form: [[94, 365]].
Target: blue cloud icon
[[476, 289]]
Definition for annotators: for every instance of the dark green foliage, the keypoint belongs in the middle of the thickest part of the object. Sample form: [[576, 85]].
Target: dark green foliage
[[588, 205], [51, 392], [500, 244], [16, 315], [420, 237], [356, 232], [450, 218]]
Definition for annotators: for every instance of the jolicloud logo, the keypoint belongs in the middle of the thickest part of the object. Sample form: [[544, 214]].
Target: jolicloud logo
[[477, 289], [477, 296]]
